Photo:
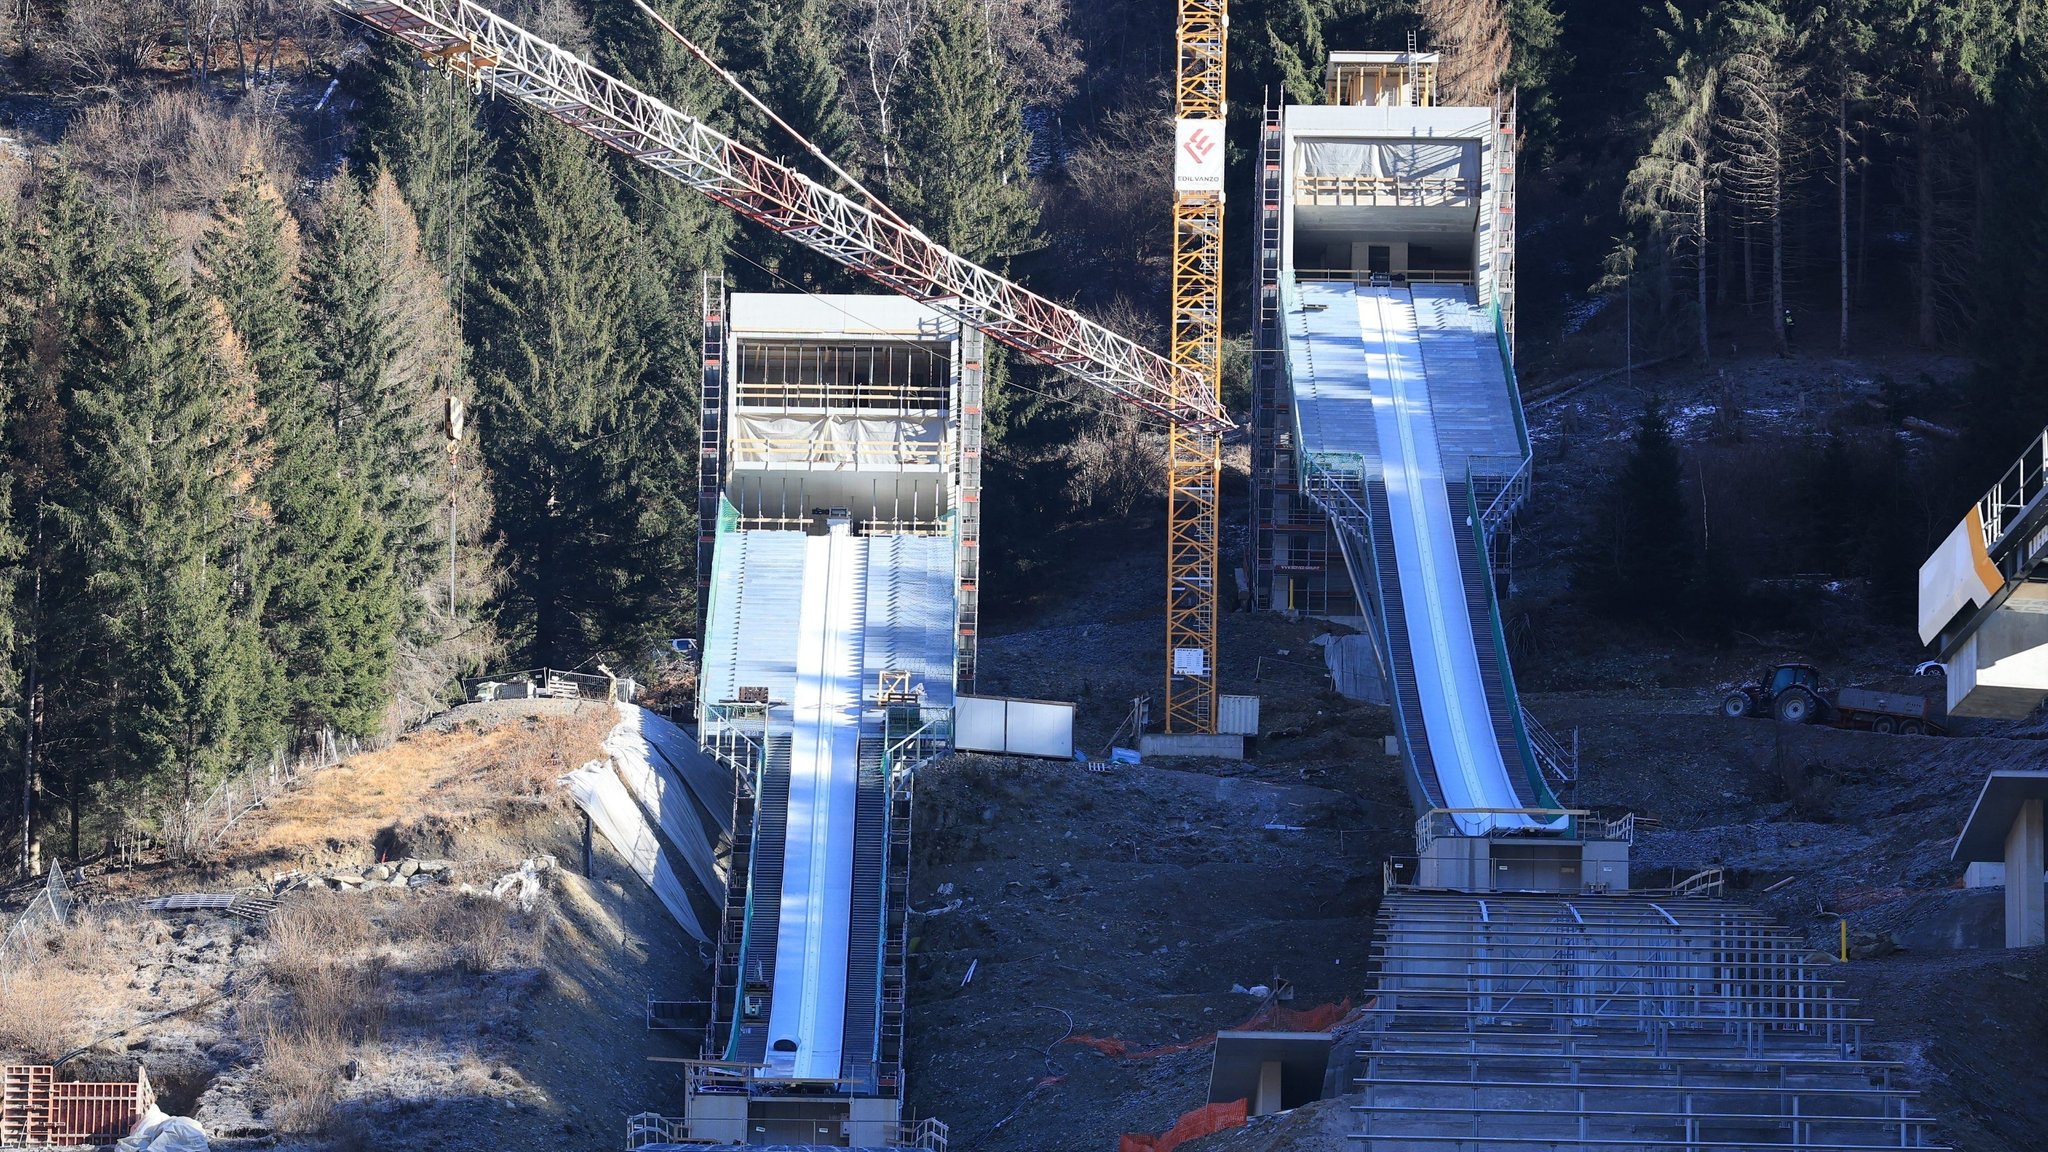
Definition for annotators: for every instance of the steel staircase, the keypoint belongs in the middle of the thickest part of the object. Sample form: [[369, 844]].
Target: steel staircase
[[895, 977], [763, 915], [865, 929], [732, 926], [1502, 708]]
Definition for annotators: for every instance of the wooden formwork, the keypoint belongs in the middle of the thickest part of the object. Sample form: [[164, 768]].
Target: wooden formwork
[[37, 1109]]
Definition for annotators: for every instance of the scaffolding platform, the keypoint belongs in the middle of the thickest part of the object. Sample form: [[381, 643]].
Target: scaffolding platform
[[1529, 1022]]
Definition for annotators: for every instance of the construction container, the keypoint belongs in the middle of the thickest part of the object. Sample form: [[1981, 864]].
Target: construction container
[[1889, 712], [1237, 715]]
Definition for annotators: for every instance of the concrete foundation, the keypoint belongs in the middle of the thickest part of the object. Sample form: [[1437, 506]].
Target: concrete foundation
[[1220, 746], [1479, 864], [2024, 926]]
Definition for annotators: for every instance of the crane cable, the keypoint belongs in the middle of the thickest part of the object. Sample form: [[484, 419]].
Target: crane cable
[[733, 82]]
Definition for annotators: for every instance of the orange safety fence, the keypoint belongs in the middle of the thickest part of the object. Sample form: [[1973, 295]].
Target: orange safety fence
[[1203, 1121], [1271, 1016]]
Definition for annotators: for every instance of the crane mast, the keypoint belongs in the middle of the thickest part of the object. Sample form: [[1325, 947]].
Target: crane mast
[[497, 55], [1194, 461]]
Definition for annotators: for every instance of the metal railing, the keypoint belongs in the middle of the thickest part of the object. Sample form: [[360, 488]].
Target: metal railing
[[926, 1134], [1584, 825], [1353, 188], [49, 908], [932, 738], [194, 828], [1557, 759], [1364, 276], [733, 734], [2005, 505], [548, 684], [1501, 485], [769, 451], [1705, 882]]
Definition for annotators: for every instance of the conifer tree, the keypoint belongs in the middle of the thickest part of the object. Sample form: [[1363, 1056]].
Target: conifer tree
[[585, 433], [150, 531], [426, 129], [328, 583], [65, 259], [969, 188], [384, 354], [1640, 547]]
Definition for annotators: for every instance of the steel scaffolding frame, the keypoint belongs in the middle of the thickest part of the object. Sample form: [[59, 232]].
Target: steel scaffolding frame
[[1528, 1021]]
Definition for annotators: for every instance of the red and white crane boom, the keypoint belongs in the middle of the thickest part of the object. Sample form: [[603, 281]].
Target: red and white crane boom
[[501, 56]]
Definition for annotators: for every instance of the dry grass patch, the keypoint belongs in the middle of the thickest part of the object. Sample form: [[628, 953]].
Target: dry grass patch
[[472, 933], [467, 770], [67, 989], [327, 969]]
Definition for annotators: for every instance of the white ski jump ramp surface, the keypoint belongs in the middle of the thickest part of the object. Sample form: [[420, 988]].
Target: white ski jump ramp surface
[[807, 1010], [1366, 377]]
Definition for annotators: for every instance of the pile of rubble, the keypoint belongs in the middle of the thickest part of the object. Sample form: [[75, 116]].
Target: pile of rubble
[[405, 873], [522, 885]]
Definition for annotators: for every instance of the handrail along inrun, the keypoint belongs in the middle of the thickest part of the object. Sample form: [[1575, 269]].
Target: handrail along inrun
[[472, 41]]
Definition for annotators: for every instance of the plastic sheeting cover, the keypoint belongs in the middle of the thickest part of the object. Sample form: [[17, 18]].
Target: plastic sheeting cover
[[835, 442], [156, 1132], [634, 790], [1399, 159], [662, 796]]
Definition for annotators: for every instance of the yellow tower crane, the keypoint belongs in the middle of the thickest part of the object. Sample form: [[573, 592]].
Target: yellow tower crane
[[1194, 458]]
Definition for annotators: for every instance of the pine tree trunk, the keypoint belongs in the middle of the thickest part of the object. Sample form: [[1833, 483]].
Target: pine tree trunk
[[1778, 274], [1842, 213], [1700, 267], [31, 727], [1924, 189], [1748, 268]]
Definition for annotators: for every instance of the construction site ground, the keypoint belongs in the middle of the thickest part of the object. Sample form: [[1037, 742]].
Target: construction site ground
[[1126, 903], [1052, 901]]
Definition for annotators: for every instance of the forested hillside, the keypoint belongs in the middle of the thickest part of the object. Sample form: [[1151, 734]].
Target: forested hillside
[[248, 254]]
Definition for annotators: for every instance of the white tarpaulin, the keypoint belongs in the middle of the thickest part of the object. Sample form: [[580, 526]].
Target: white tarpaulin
[[663, 797], [651, 778], [708, 780], [834, 442], [1401, 160], [1959, 573]]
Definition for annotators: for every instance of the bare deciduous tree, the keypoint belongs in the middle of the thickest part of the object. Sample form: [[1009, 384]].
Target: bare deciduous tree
[[1473, 37]]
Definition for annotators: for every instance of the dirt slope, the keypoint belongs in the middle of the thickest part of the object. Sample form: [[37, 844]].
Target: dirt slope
[[421, 1018]]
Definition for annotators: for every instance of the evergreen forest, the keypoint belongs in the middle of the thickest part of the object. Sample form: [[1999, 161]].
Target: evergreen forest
[[251, 258]]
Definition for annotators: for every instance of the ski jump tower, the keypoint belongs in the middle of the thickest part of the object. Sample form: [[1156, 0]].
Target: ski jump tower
[[1390, 453], [840, 500]]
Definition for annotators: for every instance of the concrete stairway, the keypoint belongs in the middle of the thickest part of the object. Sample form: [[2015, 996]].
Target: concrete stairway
[[1524, 1023]]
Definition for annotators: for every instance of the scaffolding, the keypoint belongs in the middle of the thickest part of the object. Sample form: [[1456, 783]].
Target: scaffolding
[[1525, 1022]]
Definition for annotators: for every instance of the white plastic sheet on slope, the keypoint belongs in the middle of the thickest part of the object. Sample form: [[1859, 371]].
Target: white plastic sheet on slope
[[663, 798], [1449, 686], [638, 787], [807, 1007], [615, 813], [708, 781]]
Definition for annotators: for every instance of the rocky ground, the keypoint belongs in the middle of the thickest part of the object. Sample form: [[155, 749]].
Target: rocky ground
[[373, 1015], [1126, 904]]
